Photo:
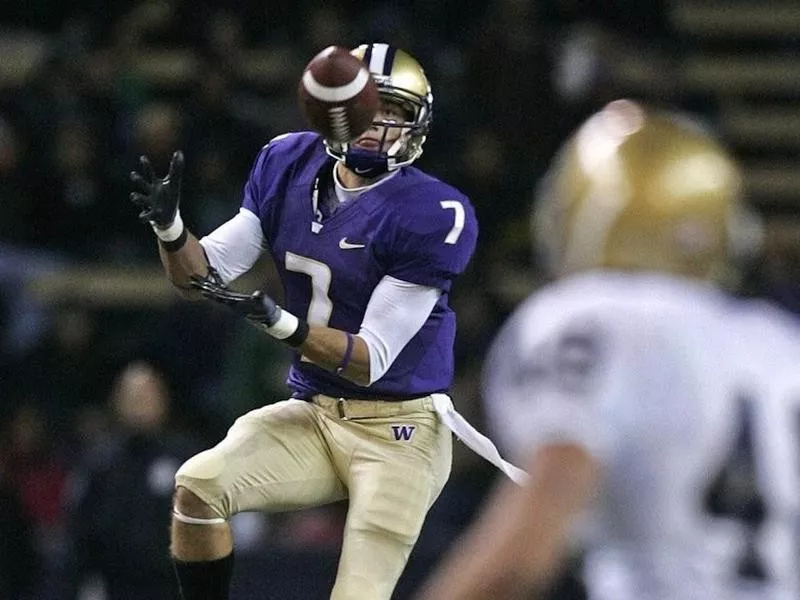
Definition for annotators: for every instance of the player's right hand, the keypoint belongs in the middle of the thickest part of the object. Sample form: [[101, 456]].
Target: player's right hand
[[256, 306], [158, 198]]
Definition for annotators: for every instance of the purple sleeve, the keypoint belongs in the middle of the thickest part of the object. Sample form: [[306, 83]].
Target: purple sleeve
[[254, 198], [434, 243]]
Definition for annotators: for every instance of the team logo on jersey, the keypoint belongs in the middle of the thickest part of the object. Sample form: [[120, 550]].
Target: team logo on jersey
[[403, 433]]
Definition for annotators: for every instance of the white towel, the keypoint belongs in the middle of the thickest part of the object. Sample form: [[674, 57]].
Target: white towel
[[475, 440]]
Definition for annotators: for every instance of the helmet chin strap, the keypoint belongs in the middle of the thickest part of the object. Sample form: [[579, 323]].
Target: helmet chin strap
[[368, 163]]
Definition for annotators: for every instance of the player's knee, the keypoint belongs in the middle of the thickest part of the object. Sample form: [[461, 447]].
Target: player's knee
[[203, 473], [188, 503], [205, 466]]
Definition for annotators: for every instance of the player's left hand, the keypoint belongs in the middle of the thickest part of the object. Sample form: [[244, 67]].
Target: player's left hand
[[256, 306]]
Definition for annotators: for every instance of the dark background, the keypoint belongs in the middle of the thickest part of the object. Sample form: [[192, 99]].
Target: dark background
[[86, 87]]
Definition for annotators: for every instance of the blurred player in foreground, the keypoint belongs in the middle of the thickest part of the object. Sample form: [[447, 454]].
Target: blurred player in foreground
[[367, 248], [657, 416]]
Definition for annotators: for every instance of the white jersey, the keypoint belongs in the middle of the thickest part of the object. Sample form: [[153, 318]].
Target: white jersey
[[690, 402]]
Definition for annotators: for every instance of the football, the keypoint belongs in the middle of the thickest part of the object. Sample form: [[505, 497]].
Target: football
[[337, 95]]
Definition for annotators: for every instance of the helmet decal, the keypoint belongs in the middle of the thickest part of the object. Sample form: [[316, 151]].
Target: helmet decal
[[379, 58]]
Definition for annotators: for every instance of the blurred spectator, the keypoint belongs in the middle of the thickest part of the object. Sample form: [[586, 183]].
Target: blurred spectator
[[645, 21], [225, 38], [157, 131], [24, 314], [121, 496], [66, 369], [72, 194], [221, 141], [581, 72], [508, 286], [214, 195], [510, 89], [191, 341], [326, 25], [16, 196], [18, 562], [20, 259], [253, 372], [485, 170], [35, 469]]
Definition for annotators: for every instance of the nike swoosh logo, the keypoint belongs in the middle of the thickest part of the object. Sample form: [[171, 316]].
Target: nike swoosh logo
[[361, 171], [345, 245]]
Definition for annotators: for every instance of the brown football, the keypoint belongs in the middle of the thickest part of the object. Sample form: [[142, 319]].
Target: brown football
[[337, 95]]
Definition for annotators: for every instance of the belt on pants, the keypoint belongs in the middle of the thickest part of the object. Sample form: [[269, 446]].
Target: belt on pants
[[442, 405], [363, 409]]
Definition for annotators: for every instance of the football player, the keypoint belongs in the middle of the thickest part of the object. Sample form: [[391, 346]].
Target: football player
[[657, 416], [367, 247]]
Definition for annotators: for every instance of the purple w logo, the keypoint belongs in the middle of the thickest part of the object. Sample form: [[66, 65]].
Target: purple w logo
[[403, 432]]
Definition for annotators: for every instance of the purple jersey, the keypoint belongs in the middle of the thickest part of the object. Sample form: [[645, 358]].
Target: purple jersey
[[412, 227]]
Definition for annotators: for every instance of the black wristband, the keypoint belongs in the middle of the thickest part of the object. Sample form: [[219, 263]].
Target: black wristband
[[299, 336], [176, 244]]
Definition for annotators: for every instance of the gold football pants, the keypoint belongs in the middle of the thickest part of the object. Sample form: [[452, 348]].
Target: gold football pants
[[390, 459]]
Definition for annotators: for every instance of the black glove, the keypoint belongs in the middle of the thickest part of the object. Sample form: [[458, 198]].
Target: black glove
[[256, 306], [158, 198]]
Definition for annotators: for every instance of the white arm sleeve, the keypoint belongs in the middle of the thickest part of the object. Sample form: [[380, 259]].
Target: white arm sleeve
[[233, 247], [396, 311]]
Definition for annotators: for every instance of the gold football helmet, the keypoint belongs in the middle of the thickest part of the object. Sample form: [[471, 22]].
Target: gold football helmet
[[401, 81], [635, 189]]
